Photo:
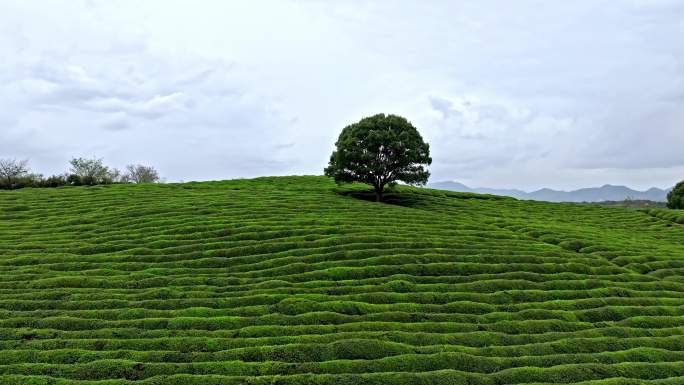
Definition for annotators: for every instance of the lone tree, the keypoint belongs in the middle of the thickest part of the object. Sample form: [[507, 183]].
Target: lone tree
[[675, 198], [141, 174], [90, 171], [11, 169], [380, 150]]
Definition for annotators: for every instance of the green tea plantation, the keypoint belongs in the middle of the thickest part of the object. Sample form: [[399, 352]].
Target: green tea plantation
[[294, 280]]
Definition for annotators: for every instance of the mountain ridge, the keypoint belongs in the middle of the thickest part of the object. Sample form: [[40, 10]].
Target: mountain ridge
[[607, 192]]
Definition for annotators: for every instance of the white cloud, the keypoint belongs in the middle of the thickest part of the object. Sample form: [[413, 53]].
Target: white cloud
[[151, 108], [510, 94]]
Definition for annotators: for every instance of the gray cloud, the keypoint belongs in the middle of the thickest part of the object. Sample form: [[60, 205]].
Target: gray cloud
[[522, 94]]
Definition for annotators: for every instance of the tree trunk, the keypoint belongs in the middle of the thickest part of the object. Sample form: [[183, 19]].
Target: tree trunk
[[378, 194]]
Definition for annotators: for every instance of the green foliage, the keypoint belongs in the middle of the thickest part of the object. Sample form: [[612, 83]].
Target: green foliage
[[380, 150], [90, 172], [138, 173], [15, 174], [675, 216], [675, 198], [84, 172], [293, 281]]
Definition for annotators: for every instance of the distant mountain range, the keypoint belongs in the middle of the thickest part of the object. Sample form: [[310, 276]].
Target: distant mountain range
[[592, 194]]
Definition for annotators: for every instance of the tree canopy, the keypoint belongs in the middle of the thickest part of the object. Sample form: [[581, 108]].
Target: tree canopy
[[380, 150], [138, 173], [675, 198], [10, 169], [90, 171]]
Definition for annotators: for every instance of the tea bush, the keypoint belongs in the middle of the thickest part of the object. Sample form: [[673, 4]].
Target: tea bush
[[294, 280]]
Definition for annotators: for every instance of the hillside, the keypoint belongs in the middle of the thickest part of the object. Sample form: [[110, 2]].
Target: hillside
[[292, 280], [605, 193]]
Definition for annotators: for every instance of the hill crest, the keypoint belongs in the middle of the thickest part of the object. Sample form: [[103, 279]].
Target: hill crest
[[294, 280]]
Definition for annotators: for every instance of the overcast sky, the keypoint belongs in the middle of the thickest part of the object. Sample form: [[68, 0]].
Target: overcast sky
[[524, 94]]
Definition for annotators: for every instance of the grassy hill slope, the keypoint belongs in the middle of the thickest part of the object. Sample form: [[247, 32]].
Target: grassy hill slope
[[294, 281]]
